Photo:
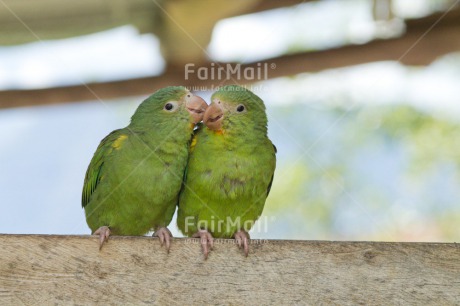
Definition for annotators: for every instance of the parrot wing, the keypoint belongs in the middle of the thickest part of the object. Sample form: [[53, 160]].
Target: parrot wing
[[192, 144], [93, 174], [196, 131], [271, 180]]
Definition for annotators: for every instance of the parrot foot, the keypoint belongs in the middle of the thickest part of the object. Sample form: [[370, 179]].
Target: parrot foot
[[104, 233], [206, 240], [164, 235], [242, 239]]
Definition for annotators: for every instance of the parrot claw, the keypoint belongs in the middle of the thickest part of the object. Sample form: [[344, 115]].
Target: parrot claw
[[206, 240], [242, 239], [165, 236], [104, 233]]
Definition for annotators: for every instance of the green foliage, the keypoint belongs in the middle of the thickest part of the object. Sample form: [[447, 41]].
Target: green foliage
[[377, 172]]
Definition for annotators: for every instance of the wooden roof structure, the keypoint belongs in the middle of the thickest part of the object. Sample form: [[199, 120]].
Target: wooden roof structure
[[423, 40]]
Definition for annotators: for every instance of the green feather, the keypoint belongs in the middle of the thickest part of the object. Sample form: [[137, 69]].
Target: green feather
[[93, 176], [228, 174], [133, 181]]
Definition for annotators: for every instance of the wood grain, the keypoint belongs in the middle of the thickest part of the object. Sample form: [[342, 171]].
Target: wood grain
[[70, 270]]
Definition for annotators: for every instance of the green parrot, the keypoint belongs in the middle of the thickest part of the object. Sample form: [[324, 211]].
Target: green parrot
[[133, 181], [230, 170]]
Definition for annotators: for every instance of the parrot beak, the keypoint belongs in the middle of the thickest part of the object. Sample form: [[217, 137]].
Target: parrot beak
[[213, 116], [196, 107]]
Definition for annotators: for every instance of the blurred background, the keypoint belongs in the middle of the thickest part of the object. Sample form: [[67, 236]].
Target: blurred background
[[363, 101]]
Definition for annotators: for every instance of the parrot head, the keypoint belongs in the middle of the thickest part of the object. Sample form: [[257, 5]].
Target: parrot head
[[170, 104], [235, 108]]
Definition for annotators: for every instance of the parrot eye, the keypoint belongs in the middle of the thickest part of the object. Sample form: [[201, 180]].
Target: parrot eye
[[170, 106], [240, 108]]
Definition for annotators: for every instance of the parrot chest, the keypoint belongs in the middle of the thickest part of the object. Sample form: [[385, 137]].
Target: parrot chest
[[229, 181], [237, 177]]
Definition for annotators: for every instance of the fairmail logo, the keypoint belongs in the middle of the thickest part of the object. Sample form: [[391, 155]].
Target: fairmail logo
[[228, 224], [223, 72]]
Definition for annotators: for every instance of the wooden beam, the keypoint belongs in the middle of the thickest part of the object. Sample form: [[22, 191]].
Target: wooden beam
[[265, 5], [54, 19], [48, 270], [27, 21], [419, 46]]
